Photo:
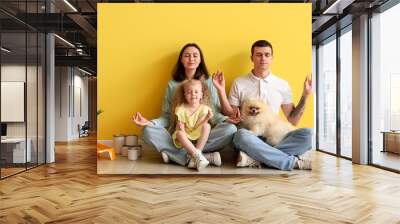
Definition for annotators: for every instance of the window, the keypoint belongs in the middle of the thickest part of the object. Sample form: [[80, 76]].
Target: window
[[346, 92], [385, 87], [327, 95]]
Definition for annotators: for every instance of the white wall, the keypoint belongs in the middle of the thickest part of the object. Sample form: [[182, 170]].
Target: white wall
[[81, 104], [62, 78], [71, 102]]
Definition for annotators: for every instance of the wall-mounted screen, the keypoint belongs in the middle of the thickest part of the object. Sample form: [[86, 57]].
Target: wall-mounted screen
[[12, 101]]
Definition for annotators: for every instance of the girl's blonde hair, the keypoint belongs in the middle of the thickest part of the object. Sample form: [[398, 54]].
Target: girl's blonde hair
[[179, 98]]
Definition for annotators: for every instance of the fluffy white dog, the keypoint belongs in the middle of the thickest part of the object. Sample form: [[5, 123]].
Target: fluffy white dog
[[259, 118]]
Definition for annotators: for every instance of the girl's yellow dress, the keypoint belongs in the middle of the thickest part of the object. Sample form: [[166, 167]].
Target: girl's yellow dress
[[190, 121]]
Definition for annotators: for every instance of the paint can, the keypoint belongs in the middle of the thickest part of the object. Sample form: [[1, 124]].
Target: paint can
[[124, 150], [131, 140], [118, 142], [134, 152]]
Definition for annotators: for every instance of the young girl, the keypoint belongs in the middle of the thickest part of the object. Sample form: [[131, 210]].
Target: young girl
[[191, 106]]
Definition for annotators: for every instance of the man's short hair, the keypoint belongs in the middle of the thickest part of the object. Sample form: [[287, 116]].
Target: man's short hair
[[261, 43]]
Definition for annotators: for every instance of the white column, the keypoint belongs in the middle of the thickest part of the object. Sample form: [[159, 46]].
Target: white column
[[50, 99], [360, 90]]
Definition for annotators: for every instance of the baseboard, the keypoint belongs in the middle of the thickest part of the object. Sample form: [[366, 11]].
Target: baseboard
[[110, 142], [105, 142]]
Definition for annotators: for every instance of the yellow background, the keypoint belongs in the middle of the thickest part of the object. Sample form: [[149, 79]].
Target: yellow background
[[138, 46]]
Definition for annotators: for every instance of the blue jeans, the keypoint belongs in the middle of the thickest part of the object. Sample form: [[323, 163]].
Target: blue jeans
[[282, 156], [160, 139]]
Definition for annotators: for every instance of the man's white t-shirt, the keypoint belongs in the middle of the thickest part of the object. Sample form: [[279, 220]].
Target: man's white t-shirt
[[273, 90]]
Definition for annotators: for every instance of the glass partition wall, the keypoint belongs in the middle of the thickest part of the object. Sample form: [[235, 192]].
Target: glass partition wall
[[22, 107], [334, 60], [334, 95], [385, 89]]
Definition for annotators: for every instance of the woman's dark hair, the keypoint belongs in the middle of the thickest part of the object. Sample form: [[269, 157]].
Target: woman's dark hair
[[261, 43], [179, 71]]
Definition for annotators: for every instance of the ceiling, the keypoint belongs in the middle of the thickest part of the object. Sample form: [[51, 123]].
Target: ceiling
[[76, 22]]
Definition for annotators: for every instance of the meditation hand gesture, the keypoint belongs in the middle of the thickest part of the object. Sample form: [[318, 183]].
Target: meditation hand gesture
[[235, 118], [139, 120], [219, 81], [307, 86]]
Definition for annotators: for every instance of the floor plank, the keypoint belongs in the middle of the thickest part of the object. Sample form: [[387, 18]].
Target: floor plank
[[70, 191]]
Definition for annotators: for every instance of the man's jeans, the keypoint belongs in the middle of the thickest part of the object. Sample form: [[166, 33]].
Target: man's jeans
[[160, 139], [282, 156]]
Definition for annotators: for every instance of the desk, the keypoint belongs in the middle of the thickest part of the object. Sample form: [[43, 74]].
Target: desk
[[391, 141], [16, 147]]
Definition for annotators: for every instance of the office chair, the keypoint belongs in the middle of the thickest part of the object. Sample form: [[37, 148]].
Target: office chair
[[84, 130]]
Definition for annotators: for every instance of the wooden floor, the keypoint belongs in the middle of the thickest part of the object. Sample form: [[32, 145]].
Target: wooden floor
[[70, 191], [10, 171]]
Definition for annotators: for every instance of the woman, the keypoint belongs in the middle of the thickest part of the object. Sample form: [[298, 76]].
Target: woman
[[190, 65]]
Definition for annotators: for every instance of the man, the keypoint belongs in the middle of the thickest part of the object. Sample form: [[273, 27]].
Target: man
[[261, 83]]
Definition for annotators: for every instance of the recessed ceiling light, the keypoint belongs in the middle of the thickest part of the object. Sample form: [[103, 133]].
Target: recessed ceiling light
[[5, 50], [64, 40], [71, 6], [337, 7], [84, 71]]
